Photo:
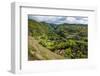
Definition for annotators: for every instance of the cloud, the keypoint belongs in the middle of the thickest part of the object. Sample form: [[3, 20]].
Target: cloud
[[60, 19], [71, 19], [77, 20]]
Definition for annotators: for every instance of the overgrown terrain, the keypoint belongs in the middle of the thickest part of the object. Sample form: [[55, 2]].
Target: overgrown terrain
[[51, 41]]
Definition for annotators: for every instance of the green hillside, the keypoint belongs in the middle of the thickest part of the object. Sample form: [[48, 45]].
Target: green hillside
[[51, 41], [38, 28]]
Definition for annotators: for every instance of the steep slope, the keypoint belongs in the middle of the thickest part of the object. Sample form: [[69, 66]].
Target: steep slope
[[38, 52], [38, 28]]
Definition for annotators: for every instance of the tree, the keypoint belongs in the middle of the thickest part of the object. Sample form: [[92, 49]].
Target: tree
[[68, 53]]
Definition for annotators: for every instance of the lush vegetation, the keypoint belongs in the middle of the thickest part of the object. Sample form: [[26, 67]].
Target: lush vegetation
[[70, 41]]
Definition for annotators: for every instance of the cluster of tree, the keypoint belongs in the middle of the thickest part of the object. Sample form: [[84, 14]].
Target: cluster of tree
[[68, 40]]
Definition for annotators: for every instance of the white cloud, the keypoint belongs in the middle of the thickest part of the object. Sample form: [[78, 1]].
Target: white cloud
[[71, 19], [83, 20], [77, 20]]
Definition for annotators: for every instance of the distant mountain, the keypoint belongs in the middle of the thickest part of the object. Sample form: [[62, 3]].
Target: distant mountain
[[39, 28]]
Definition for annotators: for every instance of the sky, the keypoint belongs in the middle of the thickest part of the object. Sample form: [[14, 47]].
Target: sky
[[60, 19]]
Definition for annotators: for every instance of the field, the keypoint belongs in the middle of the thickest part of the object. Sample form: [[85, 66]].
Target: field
[[49, 41]]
